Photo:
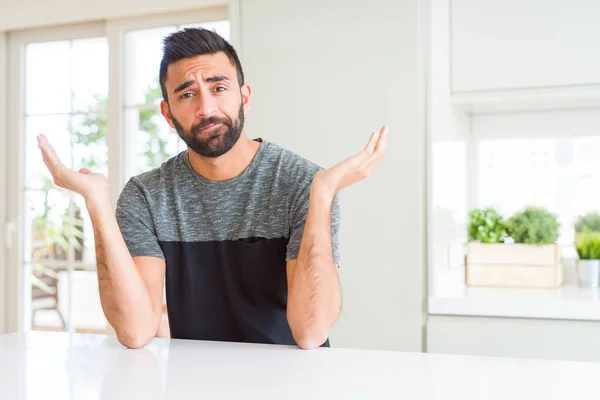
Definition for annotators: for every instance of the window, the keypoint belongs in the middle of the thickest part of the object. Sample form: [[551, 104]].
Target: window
[[508, 161], [66, 90], [70, 93], [559, 174], [552, 165]]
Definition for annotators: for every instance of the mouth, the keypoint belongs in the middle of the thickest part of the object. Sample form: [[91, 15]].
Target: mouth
[[210, 127]]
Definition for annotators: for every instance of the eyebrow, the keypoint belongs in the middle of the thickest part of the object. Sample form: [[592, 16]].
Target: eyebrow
[[210, 79], [216, 78], [183, 86]]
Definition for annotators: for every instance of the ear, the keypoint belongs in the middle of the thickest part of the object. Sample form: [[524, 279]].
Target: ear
[[246, 94], [166, 112]]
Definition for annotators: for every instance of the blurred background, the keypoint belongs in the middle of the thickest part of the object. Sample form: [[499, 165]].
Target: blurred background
[[478, 235]]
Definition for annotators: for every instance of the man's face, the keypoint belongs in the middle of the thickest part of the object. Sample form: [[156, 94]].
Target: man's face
[[206, 104]]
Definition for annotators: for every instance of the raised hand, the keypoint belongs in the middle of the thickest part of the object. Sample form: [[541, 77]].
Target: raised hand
[[88, 184], [355, 168]]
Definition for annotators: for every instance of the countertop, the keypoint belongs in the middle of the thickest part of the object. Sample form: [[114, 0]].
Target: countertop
[[449, 296], [45, 365], [567, 302]]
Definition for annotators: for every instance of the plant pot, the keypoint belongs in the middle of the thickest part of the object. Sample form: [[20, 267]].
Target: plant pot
[[513, 265], [588, 273]]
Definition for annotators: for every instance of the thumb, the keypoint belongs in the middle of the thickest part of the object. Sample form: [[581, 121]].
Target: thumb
[[85, 171]]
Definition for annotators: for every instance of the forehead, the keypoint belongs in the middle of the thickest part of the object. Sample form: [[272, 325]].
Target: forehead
[[204, 65]]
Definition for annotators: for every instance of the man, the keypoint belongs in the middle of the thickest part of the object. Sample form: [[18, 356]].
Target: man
[[245, 231]]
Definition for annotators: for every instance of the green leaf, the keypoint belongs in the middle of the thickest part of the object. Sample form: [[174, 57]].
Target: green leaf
[[533, 225], [486, 226], [588, 245]]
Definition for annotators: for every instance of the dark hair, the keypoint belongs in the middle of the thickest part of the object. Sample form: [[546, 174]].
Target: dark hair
[[191, 42]]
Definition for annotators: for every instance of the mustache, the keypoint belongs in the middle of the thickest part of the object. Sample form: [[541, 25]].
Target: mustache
[[209, 121]]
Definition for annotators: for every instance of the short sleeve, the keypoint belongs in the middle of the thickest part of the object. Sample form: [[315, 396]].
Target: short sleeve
[[135, 222], [299, 215]]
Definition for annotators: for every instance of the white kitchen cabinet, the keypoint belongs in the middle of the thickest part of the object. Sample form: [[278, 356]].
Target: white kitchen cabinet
[[514, 337], [524, 44]]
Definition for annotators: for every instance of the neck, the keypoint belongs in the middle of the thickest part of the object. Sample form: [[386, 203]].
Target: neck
[[230, 164]]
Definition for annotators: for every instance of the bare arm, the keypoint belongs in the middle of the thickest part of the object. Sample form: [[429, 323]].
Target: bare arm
[[314, 294], [130, 290]]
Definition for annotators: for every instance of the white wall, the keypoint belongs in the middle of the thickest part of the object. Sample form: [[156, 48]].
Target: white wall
[[513, 337], [326, 74], [31, 13], [512, 44]]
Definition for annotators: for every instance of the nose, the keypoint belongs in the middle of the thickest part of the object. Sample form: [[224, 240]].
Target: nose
[[207, 105]]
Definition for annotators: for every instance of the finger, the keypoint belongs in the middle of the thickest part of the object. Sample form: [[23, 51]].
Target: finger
[[371, 144], [48, 153], [63, 176], [381, 141], [85, 171]]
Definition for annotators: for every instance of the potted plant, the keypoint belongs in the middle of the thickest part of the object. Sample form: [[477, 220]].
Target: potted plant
[[587, 245], [486, 226], [589, 222], [533, 225], [521, 252]]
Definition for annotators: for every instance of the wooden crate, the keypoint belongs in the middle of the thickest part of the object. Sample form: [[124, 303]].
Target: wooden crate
[[513, 265]]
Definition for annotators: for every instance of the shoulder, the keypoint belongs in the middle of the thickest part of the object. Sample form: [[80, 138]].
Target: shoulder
[[293, 165], [151, 183], [154, 178]]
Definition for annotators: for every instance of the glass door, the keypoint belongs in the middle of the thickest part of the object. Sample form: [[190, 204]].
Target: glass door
[[63, 95]]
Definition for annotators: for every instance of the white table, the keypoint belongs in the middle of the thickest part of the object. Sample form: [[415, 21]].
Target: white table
[[39, 365]]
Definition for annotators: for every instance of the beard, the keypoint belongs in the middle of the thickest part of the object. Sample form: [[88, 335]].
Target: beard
[[218, 141]]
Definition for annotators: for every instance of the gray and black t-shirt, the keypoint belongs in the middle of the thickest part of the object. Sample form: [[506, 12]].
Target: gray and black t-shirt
[[225, 243]]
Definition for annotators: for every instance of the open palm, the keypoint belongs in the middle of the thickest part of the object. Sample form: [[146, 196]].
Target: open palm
[[359, 166], [86, 183]]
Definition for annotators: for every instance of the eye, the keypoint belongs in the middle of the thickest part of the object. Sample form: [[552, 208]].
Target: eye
[[186, 95], [220, 89]]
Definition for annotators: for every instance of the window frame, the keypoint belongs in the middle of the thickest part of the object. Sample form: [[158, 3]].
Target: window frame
[[4, 231]]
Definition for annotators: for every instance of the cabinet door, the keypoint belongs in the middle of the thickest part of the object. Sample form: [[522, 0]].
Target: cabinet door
[[524, 44], [514, 337]]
